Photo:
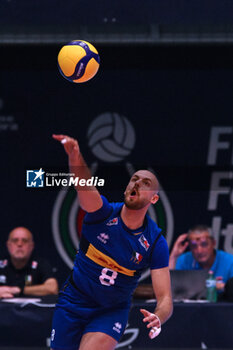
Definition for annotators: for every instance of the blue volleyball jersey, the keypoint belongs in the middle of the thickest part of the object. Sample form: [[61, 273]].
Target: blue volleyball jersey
[[111, 256]]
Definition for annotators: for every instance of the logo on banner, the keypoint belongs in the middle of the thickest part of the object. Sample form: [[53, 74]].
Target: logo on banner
[[35, 178], [8, 122], [111, 138], [220, 198]]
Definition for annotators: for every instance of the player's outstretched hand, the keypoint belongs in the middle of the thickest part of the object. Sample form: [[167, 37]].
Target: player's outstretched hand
[[154, 323], [70, 145]]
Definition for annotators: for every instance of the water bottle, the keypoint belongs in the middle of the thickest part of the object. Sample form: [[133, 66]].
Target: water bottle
[[211, 292]]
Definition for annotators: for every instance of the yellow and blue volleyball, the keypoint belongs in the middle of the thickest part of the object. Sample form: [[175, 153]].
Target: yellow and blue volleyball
[[78, 61]]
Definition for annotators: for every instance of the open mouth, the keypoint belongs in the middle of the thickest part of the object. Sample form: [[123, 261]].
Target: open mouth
[[133, 193]]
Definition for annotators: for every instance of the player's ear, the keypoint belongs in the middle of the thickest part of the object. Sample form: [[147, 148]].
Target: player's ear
[[155, 198]]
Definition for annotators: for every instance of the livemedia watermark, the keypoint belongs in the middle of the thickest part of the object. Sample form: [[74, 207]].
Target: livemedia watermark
[[38, 178]]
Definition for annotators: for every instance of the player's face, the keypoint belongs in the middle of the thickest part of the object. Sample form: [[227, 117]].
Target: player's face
[[202, 246], [141, 190], [20, 244]]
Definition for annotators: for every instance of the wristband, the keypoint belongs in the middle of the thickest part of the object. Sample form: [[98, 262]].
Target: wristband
[[155, 331]]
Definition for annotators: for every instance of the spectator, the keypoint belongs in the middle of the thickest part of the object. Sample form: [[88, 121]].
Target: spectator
[[202, 254], [20, 272]]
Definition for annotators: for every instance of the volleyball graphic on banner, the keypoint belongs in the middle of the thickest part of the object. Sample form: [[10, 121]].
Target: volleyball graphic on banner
[[111, 137]]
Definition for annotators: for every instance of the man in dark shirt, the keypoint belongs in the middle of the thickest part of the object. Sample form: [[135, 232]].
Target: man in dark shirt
[[21, 273]]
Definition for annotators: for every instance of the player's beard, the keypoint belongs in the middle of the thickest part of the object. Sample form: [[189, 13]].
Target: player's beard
[[134, 204]]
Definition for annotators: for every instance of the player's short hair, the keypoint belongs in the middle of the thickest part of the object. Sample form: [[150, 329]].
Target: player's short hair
[[156, 176]]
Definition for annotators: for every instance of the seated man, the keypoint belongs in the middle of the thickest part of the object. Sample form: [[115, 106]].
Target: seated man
[[20, 272], [202, 255]]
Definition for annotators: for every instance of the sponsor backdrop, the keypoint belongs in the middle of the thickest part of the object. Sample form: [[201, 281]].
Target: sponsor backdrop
[[165, 109], [36, 318]]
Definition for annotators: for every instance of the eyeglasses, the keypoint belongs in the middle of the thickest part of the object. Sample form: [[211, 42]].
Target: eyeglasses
[[203, 244]]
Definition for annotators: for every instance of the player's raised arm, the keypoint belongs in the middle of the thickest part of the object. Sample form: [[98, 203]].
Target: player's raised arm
[[89, 197]]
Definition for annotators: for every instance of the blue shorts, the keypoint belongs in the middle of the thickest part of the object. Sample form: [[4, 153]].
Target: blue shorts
[[75, 315]]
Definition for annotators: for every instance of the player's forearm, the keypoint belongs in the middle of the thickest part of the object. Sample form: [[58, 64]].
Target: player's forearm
[[164, 309], [89, 197], [76, 162], [42, 289], [79, 167]]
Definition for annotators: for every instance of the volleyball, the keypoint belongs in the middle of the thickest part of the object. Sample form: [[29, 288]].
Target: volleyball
[[78, 61]]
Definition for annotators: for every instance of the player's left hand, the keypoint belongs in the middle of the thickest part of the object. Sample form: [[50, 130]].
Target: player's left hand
[[154, 323]]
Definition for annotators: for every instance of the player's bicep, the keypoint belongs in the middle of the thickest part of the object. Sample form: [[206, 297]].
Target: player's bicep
[[160, 255], [99, 215], [90, 200]]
